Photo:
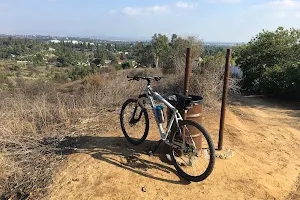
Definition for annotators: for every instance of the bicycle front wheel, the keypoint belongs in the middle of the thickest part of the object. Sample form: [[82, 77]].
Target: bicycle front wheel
[[134, 121], [192, 151]]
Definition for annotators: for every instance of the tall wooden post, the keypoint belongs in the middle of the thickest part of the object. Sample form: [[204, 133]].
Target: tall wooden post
[[187, 72], [224, 99]]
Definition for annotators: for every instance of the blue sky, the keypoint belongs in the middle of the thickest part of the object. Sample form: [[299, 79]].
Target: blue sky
[[210, 20]]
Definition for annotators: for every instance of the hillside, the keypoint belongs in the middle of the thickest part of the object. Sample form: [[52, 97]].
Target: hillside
[[264, 137]]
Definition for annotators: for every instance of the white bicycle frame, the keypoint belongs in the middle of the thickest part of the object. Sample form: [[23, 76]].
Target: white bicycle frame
[[151, 95]]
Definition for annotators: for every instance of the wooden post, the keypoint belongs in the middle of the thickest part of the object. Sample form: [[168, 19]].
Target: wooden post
[[187, 72], [224, 99]]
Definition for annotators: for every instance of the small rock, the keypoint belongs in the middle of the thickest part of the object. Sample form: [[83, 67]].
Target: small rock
[[224, 154], [143, 189]]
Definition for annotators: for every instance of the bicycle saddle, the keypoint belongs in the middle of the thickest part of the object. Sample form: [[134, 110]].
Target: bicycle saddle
[[182, 101]]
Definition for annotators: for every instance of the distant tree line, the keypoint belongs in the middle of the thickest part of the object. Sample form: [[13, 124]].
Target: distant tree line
[[83, 58], [170, 54], [18, 47]]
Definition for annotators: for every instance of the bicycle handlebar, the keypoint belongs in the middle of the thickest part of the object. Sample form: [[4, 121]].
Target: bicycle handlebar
[[148, 78]]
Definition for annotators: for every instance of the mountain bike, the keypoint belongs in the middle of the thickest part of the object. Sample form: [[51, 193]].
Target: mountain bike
[[192, 162]]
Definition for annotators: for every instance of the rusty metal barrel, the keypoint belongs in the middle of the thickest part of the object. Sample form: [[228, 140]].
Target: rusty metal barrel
[[194, 112]]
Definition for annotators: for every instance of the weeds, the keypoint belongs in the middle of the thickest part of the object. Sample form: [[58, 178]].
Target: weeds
[[31, 112]]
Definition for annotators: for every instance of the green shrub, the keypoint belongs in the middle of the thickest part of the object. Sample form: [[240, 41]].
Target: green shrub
[[270, 63], [79, 72], [125, 65], [118, 66]]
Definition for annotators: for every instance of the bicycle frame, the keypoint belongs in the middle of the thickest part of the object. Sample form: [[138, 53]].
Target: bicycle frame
[[151, 95]]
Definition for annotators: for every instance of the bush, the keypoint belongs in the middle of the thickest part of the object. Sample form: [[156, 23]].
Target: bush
[[29, 113], [61, 77], [108, 70], [125, 65], [270, 63], [118, 66], [15, 68], [79, 72], [206, 78]]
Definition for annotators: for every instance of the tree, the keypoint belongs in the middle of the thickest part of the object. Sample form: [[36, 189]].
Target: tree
[[66, 56], [62, 62], [100, 55], [125, 65], [89, 46], [112, 57], [108, 47], [212, 50], [144, 54], [38, 59], [123, 56], [174, 59], [270, 63], [160, 47], [174, 37]]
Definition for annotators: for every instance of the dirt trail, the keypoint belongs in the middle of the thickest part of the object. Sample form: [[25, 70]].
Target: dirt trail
[[266, 163]]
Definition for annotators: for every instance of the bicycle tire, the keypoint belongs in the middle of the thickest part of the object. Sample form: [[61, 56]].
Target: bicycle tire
[[143, 111], [211, 163]]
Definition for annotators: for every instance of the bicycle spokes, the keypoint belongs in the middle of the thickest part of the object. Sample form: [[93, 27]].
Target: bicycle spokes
[[135, 115], [134, 120], [191, 150]]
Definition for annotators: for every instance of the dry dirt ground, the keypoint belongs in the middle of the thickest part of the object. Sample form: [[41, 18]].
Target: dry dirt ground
[[265, 139]]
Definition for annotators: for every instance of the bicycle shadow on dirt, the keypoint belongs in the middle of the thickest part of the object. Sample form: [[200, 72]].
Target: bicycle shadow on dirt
[[118, 152]]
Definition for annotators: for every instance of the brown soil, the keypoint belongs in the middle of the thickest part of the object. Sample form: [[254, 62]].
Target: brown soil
[[265, 139]]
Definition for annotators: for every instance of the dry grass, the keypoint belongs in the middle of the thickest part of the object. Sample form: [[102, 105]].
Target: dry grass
[[31, 113], [206, 78]]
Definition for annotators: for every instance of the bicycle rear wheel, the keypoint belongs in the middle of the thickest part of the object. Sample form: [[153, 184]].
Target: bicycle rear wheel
[[134, 121], [192, 162]]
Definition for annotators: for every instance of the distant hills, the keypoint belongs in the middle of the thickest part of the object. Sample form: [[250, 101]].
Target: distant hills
[[103, 38]]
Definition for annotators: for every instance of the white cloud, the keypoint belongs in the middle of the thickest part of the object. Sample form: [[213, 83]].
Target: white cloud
[[297, 15], [224, 1], [280, 4], [280, 8], [145, 11], [185, 5]]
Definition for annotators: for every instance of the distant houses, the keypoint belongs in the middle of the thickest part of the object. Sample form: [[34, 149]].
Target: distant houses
[[22, 61], [120, 62], [72, 41], [107, 62], [55, 41]]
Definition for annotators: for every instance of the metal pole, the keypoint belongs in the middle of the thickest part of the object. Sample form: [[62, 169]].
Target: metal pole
[[187, 71], [224, 99], [187, 79]]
